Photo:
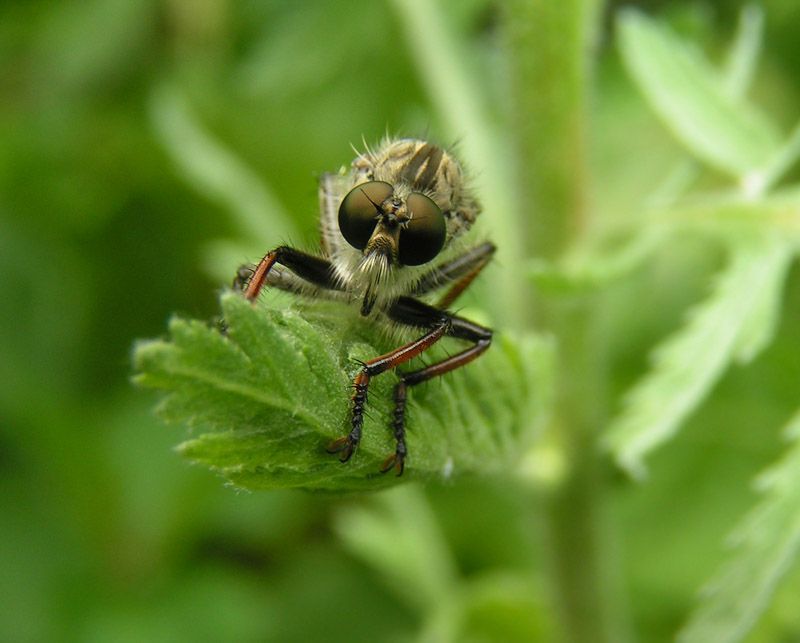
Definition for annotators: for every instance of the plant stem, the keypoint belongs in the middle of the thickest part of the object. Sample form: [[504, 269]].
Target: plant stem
[[550, 69]]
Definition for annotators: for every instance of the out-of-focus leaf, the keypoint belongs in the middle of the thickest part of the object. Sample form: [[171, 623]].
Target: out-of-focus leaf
[[737, 75], [783, 159], [503, 607], [292, 32], [81, 43], [724, 214], [691, 98], [766, 545], [398, 535], [266, 399], [760, 322], [740, 65], [725, 325], [217, 173], [596, 269]]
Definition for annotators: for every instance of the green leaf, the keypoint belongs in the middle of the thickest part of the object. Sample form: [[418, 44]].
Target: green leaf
[[692, 98], [766, 545], [266, 399], [735, 321]]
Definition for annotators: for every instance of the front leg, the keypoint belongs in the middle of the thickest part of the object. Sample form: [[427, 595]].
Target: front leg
[[314, 270]]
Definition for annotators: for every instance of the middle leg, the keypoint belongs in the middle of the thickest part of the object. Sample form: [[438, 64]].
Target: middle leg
[[409, 311]]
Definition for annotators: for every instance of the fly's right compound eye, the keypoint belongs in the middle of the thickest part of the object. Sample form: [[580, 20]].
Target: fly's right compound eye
[[359, 211], [423, 235]]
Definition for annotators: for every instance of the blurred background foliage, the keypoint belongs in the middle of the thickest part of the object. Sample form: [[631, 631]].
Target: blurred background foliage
[[147, 148]]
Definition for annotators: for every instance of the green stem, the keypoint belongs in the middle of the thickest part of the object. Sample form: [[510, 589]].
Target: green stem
[[550, 71]]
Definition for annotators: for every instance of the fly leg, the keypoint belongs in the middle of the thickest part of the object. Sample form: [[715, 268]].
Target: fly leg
[[304, 274], [314, 270], [347, 445], [459, 272], [409, 309], [411, 312]]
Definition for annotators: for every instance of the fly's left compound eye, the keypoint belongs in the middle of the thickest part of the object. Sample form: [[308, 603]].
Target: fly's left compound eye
[[359, 211], [422, 236]]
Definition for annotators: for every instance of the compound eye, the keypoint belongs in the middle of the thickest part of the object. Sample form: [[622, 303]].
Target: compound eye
[[423, 235], [359, 211]]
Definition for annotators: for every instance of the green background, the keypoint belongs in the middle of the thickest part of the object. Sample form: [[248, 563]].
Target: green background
[[105, 533]]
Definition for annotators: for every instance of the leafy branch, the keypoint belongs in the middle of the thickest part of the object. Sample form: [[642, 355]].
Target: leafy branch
[[705, 111]]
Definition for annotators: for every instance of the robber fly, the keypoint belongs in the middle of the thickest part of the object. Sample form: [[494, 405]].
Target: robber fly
[[391, 237]]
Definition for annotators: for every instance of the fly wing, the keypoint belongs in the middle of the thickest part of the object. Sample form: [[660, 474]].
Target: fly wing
[[332, 189]]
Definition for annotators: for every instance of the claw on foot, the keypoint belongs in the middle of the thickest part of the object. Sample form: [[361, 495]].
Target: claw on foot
[[243, 276], [396, 462], [344, 445]]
